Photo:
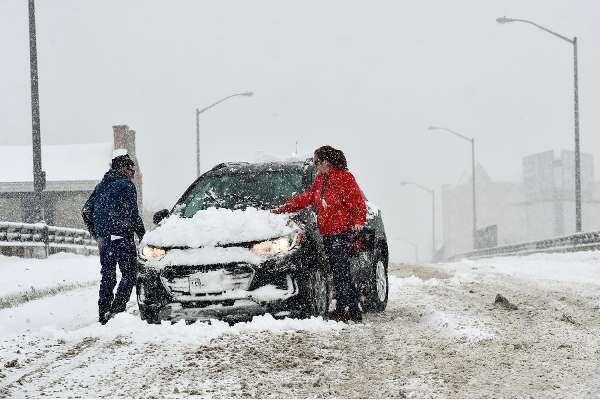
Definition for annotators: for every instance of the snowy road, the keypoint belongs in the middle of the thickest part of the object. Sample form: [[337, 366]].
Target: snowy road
[[441, 336]]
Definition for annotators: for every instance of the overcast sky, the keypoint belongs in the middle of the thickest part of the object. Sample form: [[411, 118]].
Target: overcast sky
[[365, 76]]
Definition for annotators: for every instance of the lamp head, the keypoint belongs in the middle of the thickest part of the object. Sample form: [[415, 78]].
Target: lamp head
[[433, 128], [504, 20], [247, 94]]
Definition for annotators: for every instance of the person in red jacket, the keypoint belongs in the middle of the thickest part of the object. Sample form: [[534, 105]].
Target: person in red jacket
[[341, 212]]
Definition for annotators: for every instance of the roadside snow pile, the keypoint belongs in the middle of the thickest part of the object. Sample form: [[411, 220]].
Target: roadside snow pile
[[460, 326], [24, 274], [581, 267], [214, 226], [463, 326], [131, 327], [69, 309], [396, 284]]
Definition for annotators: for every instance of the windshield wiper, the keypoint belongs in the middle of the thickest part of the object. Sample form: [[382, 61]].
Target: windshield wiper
[[212, 198]]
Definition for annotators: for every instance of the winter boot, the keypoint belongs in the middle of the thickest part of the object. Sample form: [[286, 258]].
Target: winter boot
[[105, 317], [355, 314], [338, 315]]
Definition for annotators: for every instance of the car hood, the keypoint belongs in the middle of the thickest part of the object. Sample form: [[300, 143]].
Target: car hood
[[219, 226]]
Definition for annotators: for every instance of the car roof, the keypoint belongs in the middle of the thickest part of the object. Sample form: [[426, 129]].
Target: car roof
[[249, 168]]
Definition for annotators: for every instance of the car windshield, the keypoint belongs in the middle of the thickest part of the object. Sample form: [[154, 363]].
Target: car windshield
[[265, 189]]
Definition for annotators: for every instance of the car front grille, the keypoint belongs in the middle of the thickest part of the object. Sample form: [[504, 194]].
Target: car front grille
[[202, 281]]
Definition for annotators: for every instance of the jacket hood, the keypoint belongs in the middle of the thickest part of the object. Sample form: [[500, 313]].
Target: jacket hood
[[113, 175]]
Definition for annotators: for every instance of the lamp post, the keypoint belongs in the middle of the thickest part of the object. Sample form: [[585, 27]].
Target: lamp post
[[432, 193], [200, 111], [472, 141], [504, 20], [39, 176]]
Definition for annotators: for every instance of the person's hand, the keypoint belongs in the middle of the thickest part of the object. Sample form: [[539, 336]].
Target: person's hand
[[357, 228], [275, 210]]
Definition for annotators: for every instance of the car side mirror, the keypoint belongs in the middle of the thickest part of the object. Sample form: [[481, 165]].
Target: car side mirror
[[159, 216]]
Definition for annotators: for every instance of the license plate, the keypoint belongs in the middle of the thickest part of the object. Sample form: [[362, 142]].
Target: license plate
[[207, 282]]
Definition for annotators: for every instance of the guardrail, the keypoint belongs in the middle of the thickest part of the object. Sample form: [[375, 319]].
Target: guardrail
[[571, 243], [40, 240]]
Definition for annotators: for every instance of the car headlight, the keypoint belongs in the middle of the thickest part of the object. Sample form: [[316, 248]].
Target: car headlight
[[152, 253], [279, 245]]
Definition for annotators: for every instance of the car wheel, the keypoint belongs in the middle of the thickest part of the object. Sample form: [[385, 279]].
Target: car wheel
[[376, 296], [314, 293]]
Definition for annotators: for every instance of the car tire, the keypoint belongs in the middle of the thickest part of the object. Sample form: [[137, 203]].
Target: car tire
[[314, 293], [377, 290]]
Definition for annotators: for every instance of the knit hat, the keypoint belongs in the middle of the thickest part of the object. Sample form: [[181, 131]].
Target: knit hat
[[121, 159]]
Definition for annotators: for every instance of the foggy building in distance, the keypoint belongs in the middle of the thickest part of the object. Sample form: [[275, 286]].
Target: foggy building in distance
[[72, 173], [549, 184], [497, 206], [542, 206]]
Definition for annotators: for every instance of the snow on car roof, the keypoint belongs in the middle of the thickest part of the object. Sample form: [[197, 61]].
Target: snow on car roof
[[244, 167]]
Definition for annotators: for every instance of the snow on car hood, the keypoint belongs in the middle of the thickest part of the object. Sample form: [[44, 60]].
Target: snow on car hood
[[219, 226]]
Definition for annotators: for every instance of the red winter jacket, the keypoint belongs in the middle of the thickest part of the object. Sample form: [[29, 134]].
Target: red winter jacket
[[342, 207]]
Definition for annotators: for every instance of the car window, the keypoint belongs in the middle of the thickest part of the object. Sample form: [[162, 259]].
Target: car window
[[265, 189]]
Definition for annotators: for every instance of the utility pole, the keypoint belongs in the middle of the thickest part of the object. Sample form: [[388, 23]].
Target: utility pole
[[39, 176]]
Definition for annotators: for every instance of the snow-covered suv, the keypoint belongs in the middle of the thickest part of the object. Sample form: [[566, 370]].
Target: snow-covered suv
[[219, 253]]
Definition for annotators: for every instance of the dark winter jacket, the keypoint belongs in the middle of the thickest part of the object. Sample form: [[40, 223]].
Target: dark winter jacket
[[337, 200], [112, 208]]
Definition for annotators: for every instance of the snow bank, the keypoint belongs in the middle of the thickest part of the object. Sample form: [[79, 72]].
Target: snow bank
[[454, 325], [581, 267], [22, 274], [130, 326], [67, 310], [464, 325], [209, 228], [396, 284]]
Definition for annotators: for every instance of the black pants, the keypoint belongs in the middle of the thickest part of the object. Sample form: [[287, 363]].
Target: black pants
[[121, 251], [339, 251]]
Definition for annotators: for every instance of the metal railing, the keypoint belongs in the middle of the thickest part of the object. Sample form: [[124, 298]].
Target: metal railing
[[583, 241], [40, 240]]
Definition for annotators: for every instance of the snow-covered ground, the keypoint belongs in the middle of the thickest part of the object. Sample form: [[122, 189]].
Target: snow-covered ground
[[441, 336], [583, 267], [21, 274]]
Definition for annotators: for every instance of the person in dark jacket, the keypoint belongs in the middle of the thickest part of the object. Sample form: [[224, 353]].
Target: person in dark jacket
[[112, 217], [341, 213]]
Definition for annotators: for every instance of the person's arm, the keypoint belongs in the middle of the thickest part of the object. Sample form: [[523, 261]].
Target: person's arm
[[87, 213], [297, 202], [134, 215], [356, 203]]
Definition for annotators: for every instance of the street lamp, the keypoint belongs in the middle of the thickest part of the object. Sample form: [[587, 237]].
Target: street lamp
[[472, 140], [504, 20], [432, 193], [200, 111]]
